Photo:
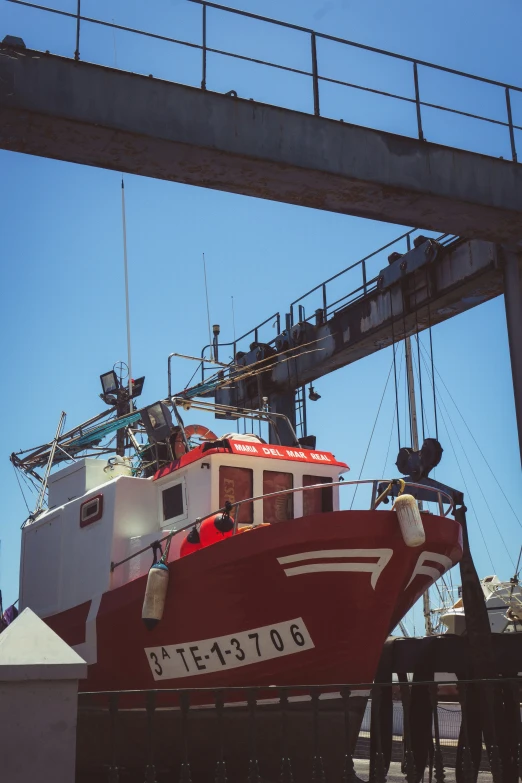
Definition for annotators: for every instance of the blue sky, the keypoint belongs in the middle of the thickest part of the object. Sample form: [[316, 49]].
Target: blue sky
[[62, 305]]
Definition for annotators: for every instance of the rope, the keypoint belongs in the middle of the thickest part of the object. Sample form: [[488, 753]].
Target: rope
[[395, 374], [371, 436], [165, 554]]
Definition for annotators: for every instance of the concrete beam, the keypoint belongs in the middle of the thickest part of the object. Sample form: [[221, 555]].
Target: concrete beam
[[58, 108]]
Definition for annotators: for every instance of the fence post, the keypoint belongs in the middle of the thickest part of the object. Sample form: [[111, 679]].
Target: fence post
[[77, 51], [510, 123], [204, 49], [315, 77], [417, 101], [39, 676]]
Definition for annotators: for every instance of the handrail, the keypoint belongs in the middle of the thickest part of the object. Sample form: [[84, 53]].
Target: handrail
[[314, 73], [227, 509]]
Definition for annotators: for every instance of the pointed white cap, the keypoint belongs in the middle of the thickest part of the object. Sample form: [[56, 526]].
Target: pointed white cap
[[30, 650]]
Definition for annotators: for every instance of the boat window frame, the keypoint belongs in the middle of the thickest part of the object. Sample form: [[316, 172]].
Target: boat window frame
[[172, 521], [86, 521]]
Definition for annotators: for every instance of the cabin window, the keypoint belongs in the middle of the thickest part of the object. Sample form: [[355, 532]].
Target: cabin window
[[282, 506], [173, 501], [317, 501], [237, 484], [91, 510]]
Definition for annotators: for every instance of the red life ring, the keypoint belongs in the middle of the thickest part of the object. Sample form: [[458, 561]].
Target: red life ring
[[192, 431]]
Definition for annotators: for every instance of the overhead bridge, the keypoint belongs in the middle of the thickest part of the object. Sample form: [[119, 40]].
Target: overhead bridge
[[70, 110], [423, 287]]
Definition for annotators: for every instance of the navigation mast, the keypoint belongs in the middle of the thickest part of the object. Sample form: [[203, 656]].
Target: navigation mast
[[415, 445]]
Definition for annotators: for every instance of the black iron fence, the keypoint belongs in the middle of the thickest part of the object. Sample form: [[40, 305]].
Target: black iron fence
[[335, 733], [416, 94]]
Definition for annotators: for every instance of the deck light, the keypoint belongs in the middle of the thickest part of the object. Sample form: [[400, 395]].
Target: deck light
[[109, 382], [313, 395], [157, 420]]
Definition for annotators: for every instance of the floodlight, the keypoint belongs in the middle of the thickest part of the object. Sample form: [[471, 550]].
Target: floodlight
[[313, 395], [137, 386], [109, 382], [157, 420]]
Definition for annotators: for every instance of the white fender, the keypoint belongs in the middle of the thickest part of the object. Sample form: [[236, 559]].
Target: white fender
[[410, 520], [155, 594]]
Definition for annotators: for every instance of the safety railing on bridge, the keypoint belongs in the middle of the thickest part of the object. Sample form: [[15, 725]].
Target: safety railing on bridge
[[417, 87], [303, 733], [323, 300]]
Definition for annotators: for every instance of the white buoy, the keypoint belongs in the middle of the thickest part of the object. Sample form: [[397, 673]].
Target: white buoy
[[155, 594], [410, 520]]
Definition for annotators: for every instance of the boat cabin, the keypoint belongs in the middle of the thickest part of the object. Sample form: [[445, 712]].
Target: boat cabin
[[100, 514]]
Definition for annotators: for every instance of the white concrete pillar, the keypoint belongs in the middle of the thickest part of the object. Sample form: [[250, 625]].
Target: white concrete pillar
[[39, 676]]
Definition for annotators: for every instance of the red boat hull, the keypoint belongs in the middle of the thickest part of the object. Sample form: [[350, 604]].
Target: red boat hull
[[321, 594]]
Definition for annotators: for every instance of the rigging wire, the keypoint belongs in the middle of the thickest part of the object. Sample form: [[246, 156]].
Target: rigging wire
[[393, 423], [395, 373], [481, 491], [371, 436], [208, 309], [477, 445], [468, 494], [420, 380], [432, 370], [21, 490]]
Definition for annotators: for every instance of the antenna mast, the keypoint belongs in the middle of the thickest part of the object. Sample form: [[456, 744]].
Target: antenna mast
[[127, 309]]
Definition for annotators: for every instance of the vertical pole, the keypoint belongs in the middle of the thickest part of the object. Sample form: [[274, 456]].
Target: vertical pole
[[204, 50], [315, 77], [510, 123], [417, 101], [77, 52], [513, 305], [127, 308], [364, 276]]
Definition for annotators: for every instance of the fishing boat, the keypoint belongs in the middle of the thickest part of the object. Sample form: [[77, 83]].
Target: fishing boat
[[170, 557]]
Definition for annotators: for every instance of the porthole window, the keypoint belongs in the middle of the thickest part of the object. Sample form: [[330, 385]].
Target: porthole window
[[91, 510]]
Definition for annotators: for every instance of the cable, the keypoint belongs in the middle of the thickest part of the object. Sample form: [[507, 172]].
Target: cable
[[371, 436], [433, 374], [477, 445], [392, 424], [481, 492], [395, 373], [21, 490], [468, 494], [420, 381]]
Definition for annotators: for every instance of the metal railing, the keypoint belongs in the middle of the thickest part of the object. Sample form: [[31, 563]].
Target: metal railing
[[329, 307], [313, 73], [302, 732], [439, 496]]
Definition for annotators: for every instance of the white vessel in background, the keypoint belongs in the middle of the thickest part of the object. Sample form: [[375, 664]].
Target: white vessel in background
[[503, 604]]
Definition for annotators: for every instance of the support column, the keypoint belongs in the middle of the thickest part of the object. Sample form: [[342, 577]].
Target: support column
[[513, 303], [39, 676]]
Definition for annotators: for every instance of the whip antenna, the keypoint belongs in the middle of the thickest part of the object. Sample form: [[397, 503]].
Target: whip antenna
[[206, 296], [126, 290]]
